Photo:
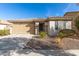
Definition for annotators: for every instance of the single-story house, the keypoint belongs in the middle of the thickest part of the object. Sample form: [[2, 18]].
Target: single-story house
[[51, 25]]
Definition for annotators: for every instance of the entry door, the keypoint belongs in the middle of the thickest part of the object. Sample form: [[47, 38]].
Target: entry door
[[41, 27]]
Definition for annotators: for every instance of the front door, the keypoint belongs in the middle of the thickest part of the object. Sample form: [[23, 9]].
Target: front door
[[41, 27]]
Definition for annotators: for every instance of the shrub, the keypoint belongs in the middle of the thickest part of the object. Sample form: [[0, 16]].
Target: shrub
[[66, 33], [57, 39], [42, 34], [7, 32], [4, 32]]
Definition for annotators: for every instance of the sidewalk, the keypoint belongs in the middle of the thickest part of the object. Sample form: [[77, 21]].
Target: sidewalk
[[29, 52]]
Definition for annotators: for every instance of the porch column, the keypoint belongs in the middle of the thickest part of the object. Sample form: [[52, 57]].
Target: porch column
[[46, 27], [36, 28], [10, 29]]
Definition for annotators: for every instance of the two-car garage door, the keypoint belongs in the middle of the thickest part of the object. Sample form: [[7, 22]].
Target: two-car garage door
[[22, 28]]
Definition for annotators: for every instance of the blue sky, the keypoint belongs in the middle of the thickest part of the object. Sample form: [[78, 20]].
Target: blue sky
[[37, 10]]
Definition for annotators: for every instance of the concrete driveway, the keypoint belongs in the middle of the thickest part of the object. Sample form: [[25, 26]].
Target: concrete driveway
[[12, 45]]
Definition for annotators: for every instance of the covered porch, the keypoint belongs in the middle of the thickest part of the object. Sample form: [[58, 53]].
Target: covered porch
[[41, 26]]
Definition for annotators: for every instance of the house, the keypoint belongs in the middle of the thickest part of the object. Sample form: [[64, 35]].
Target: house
[[5, 25], [51, 25]]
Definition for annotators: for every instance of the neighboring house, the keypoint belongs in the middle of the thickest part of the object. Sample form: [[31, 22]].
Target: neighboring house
[[51, 25], [5, 25]]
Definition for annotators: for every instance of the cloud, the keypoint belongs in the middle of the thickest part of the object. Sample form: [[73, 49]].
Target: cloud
[[67, 8], [71, 7]]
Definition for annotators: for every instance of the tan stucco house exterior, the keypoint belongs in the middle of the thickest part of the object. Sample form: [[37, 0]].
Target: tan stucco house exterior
[[51, 25]]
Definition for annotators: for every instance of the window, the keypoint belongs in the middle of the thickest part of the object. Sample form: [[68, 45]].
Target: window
[[60, 25], [56, 25], [68, 24]]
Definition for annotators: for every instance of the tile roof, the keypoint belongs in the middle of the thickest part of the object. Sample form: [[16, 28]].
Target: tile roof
[[59, 18], [28, 20], [71, 14], [5, 22], [14, 21]]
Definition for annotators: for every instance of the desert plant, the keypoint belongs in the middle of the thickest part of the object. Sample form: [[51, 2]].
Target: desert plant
[[42, 34], [4, 32], [66, 33], [57, 39], [7, 32]]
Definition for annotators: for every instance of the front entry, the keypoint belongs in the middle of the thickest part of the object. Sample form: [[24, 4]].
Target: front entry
[[41, 27]]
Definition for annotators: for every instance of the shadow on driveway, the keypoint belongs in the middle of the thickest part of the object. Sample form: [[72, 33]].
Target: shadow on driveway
[[13, 46], [45, 52]]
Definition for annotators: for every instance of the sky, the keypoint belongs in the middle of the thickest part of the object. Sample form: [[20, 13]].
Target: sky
[[10, 11]]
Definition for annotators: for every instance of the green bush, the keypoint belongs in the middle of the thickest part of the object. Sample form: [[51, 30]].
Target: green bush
[[42, 34], [66, 33], [4, 32]]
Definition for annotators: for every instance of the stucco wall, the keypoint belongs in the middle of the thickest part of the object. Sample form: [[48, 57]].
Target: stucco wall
[[2, 26], [51, 28], [22, 28]]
